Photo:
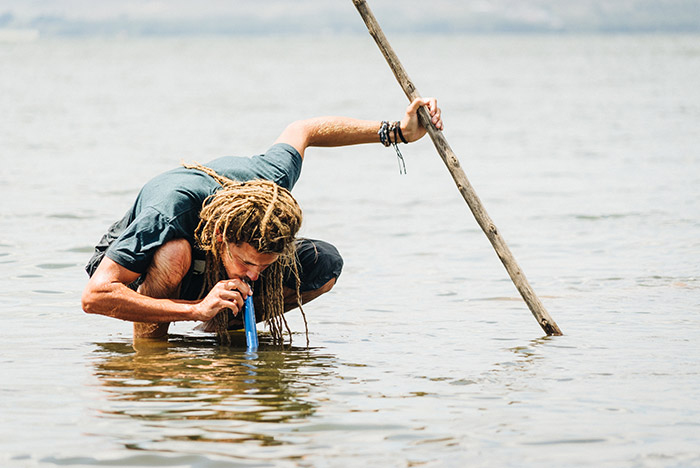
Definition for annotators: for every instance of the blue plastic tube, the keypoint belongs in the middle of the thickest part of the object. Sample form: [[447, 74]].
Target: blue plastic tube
[[251, 332]]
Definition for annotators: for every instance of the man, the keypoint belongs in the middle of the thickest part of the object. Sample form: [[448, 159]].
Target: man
[[197, 235]]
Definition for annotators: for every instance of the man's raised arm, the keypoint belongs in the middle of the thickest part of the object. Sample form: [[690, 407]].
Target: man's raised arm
[[343, 131]]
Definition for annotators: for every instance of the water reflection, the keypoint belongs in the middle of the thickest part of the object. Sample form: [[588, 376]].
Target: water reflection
[[527, 354], [207, 393]]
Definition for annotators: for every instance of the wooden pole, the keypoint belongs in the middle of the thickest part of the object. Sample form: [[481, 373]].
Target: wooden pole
[[460, 178]]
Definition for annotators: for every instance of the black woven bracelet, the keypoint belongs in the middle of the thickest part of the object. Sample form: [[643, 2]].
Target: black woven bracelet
[[398, 127]]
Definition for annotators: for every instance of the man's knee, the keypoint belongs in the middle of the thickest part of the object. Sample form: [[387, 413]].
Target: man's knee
[[327, 287], [169, 266], [320, 265], [175, 254], [290, 297]]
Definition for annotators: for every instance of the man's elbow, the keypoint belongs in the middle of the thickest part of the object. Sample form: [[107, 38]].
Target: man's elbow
[[90, 301], [297, 134], [299, 128]]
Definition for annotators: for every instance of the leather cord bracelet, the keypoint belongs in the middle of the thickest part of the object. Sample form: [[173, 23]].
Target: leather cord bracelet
[[385, 131]]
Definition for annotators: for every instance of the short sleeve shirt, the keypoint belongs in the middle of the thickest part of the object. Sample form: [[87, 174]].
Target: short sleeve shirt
[[168, 206]]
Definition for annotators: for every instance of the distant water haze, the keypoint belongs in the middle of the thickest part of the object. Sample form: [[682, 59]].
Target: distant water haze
[[132, 17]]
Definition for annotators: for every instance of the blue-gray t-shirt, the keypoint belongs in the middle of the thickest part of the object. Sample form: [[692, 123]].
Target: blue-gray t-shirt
[[168, 206]]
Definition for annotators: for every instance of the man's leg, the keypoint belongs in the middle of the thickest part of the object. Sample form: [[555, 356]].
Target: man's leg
[[319, 264], [162, 280], [290, 295]]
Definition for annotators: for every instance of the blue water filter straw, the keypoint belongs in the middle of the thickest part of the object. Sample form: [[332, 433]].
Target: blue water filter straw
[[251, 332]]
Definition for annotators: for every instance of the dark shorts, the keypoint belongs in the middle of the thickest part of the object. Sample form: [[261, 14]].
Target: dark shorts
[[318, 262]]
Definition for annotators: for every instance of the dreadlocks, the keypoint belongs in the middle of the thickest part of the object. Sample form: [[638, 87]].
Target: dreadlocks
[[267, 217]]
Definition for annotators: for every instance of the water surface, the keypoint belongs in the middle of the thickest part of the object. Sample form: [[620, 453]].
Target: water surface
[[584, 151]]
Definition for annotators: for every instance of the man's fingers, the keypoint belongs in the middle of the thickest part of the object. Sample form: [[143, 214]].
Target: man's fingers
[[232, 297], [227, 295], [437, 119], [238, 285], [432, 105], [433, 110], [435, 113]]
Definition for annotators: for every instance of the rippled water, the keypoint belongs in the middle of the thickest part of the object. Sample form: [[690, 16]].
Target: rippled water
[[584, 151]]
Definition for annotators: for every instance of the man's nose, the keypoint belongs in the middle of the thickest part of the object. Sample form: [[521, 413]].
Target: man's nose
[[252, 275]]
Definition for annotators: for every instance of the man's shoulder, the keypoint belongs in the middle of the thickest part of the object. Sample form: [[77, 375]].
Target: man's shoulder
[[176, 191], [281, 164]]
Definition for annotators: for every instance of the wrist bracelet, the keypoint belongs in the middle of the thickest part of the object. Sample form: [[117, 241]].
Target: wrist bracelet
[[384, 133], [398, 127]]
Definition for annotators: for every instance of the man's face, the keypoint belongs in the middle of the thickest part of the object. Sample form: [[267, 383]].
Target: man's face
[[243, 262]]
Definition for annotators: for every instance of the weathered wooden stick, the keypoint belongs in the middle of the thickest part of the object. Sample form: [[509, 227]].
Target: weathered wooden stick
[[465, 188]]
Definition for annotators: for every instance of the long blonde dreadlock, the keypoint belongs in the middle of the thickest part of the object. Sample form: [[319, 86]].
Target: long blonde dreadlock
[[267, 217]]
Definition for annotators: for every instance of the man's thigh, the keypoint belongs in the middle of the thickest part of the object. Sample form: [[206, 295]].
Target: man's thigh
[[318, 262]]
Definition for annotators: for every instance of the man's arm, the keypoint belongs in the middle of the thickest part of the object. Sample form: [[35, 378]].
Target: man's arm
[[107, 294], [343, 131]]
